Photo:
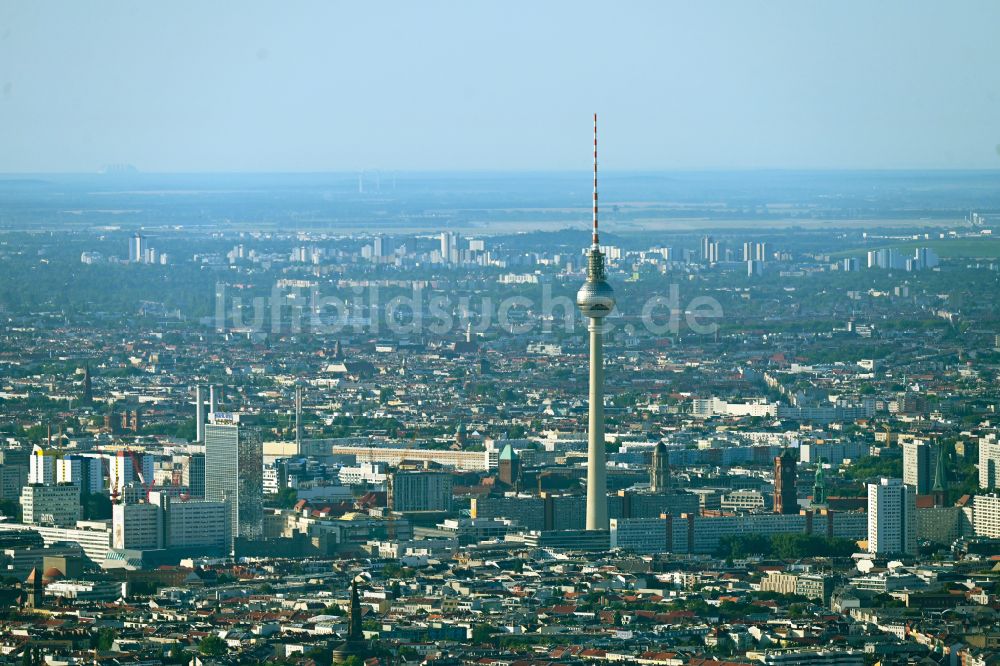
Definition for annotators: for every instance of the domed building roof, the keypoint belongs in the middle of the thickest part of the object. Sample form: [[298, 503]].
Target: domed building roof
[[51, 574]]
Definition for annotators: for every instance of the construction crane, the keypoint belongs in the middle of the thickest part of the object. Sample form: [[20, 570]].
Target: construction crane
[[136, 463]]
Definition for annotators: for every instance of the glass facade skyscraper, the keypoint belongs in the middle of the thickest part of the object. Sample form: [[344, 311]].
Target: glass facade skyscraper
[[234, 473]]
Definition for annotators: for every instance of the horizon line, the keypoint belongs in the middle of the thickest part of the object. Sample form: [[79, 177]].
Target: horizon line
[[504, 171]]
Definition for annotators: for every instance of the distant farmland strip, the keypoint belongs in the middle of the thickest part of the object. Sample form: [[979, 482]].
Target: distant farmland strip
[[960, 248]]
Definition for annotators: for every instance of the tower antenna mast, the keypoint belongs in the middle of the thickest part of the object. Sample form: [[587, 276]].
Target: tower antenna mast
[[596, 241]]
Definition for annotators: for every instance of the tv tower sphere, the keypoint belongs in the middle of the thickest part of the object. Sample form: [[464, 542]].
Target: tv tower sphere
[[596, 298]]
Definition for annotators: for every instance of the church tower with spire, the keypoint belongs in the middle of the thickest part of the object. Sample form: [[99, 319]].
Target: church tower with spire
[[659, 470], [355, 644], [819, 486], [88, 386], [939, 491]]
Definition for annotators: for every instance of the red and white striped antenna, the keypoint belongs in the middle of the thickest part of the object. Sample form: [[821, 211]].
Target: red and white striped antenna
[[595, 181]]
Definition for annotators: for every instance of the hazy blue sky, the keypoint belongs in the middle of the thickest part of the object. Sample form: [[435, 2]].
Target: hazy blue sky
[[205, 86]]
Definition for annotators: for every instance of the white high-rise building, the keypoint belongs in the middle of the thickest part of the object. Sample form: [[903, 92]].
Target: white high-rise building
[[86, 471], [135, 249], [989, 463], [760, 252], [42, 465], [709, 250], [892, 518], [986, 516], [446, 244]]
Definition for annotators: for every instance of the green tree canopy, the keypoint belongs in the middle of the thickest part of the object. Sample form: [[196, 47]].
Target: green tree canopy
[[212, 646]]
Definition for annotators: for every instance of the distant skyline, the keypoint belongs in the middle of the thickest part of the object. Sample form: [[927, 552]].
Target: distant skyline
[[190, 86]]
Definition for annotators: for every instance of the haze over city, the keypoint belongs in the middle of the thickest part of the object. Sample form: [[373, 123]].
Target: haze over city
[[337, 86], [499, 334]]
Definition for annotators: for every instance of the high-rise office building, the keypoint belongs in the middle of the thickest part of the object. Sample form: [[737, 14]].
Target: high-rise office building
[[12, 478], [137, 526], [194, 524], [420, 491], [234, 472], [165, 522], [917, 466], [194, 475], [892, 518], [596, 300], [57, 505], [989, 463], [785, 495]]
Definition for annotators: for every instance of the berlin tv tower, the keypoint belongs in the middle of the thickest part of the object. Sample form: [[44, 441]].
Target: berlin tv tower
[[596, 300]]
